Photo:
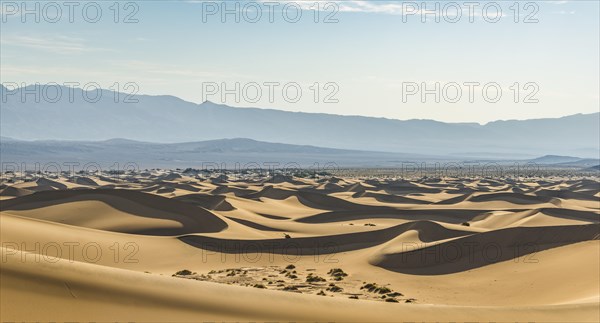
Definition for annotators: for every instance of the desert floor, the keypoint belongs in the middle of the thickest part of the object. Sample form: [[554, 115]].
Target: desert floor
[[166, 246]]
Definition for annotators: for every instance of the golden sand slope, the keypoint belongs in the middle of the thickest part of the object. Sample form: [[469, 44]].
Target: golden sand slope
[[454, 249]]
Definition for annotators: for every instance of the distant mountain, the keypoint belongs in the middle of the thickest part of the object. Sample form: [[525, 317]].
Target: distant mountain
[[168, 119], [566, 161], [553, 159], [224, 153]]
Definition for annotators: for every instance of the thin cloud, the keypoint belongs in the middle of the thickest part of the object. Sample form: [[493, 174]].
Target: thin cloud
[[55, 44]]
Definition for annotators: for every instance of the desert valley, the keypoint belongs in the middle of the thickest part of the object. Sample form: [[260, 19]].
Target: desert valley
[[173, 246]]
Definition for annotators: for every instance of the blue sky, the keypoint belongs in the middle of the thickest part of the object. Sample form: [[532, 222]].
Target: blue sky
[[369, 55]]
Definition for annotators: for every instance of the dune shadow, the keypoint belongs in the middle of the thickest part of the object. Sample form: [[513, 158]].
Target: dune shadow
[[193, 219], [321, 245], [482, 249]]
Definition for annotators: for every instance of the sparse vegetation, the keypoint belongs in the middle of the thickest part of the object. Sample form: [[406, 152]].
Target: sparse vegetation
[[184, 272], [314, 279], [337, 274], [284, 278], [466, 224], [334, 288], [374, 288]]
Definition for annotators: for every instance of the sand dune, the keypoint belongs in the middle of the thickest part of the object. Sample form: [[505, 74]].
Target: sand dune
[[485, 248], [95, 248], [116, 210]]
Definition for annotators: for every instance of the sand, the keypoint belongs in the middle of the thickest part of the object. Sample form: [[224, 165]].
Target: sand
[[165, 246]]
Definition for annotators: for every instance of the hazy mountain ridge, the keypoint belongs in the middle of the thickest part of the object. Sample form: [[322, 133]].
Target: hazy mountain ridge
[[229, 152], [170, 119], [193, 154]]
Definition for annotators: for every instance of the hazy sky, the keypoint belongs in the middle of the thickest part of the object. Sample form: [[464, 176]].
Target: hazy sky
[[373, 58]]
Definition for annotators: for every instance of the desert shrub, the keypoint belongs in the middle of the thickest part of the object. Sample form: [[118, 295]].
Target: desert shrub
[[289, 267], [337, 273], [335, 289], [321, 293], [184, 272], [383, 290], [353, 297], [374, 288], [391, 300], [313, 279], [466, 224], [288, 288], [259, 286]]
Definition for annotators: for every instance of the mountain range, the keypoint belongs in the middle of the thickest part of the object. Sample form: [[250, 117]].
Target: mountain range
[[168, 119], [240, 153]]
